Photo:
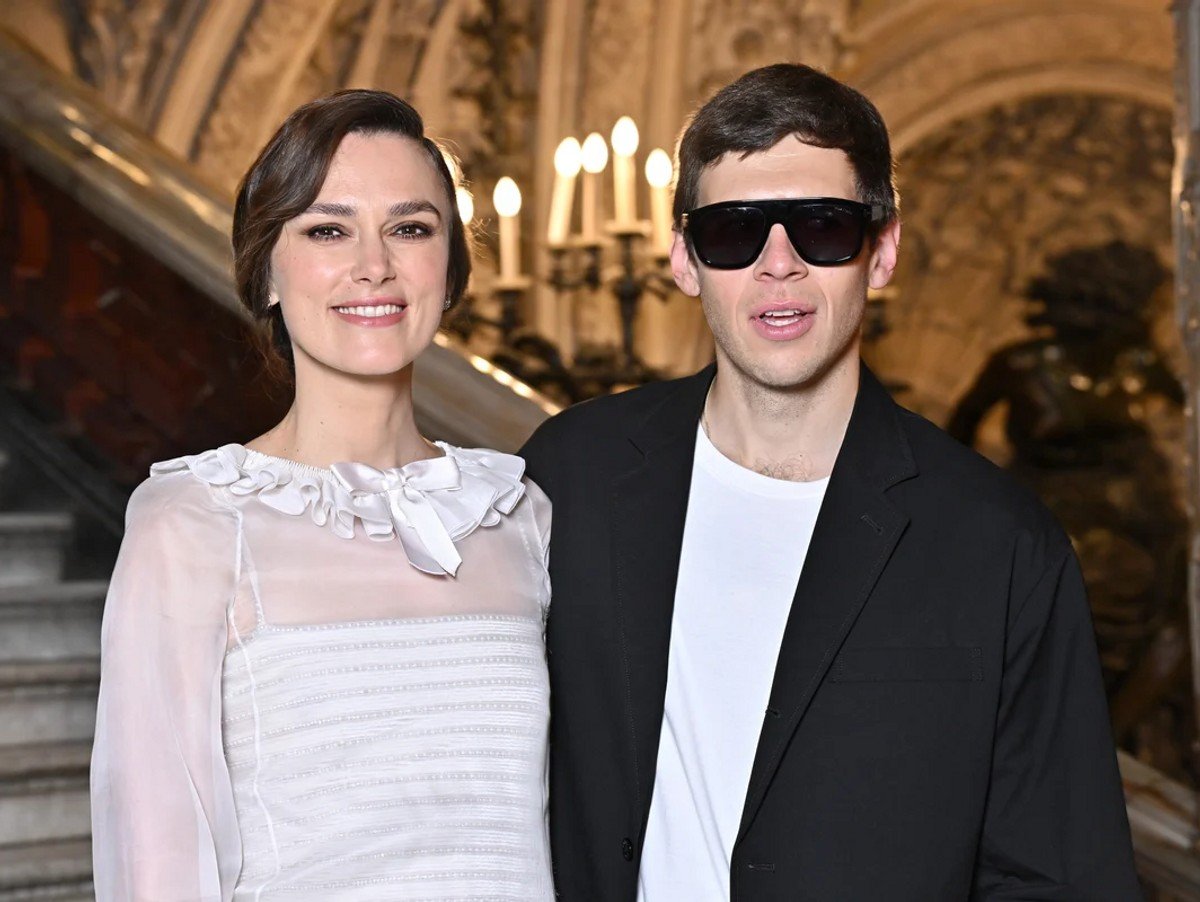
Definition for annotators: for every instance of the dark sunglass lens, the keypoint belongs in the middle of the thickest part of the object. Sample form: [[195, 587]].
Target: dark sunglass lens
[[827, 234], [728, 238]]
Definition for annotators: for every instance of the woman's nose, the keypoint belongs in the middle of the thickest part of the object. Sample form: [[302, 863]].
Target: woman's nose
[[373, 262]]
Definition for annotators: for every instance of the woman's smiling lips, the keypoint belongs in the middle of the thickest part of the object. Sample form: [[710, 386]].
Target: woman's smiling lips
[[374, 313], [783, 320]]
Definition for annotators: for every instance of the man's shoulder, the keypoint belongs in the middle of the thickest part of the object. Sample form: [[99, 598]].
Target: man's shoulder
[[608, 415], [958, 480]]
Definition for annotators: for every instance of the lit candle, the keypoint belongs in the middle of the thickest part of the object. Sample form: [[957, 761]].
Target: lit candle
[[658, 174], [507, 200], [452, 164], [624, 145], [566, 167], [466, 205], [594, 159]]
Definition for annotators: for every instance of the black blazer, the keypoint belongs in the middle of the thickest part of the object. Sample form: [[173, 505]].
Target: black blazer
[[937, 728]]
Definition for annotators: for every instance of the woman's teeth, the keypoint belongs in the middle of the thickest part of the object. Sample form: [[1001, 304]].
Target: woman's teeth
[[380, 310]]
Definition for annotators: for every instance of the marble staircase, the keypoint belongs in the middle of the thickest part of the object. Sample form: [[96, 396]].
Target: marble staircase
[[49, 671]]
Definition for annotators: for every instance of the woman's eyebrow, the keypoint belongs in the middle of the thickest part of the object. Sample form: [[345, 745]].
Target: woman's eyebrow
[[403, 208], [331, 209], [408, 207]]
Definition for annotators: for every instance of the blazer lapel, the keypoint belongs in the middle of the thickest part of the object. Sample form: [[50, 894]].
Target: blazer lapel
[[648, 508], [856, 531]]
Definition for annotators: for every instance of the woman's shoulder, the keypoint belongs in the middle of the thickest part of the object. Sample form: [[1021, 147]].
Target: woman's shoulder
[[494, 479], [180, 491]]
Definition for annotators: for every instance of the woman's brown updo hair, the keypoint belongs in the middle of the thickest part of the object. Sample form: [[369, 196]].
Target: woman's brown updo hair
[[286, 178]]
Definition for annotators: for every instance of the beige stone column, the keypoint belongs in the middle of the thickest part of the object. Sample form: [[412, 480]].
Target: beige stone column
[[1185, 195]]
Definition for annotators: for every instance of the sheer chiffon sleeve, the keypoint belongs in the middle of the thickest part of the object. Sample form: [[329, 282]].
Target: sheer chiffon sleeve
[[163, 819], [542, 516]]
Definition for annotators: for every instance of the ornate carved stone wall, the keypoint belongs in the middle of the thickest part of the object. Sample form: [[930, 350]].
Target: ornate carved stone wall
[[506, 80], [988, 199], [728, 37]]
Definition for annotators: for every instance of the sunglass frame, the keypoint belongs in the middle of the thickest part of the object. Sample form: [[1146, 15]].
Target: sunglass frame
[[869, 214]]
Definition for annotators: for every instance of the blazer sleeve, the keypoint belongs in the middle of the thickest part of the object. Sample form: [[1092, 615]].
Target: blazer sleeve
[[1055, 826], [539, 453]]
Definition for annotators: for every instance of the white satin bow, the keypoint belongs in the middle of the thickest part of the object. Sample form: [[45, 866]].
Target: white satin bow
[[399, 494]]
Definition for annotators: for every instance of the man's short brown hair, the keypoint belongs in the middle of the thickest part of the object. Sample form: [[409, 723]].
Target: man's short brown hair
[[765, 106]]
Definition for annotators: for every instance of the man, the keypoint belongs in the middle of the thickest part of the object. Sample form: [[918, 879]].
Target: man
[[803, 645]]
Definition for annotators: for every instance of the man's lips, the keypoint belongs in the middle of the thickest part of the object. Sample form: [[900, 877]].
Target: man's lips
[[783, 320], [781, 313]]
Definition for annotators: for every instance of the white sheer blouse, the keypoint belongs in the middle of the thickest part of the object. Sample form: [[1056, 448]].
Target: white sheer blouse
[[325, 683]]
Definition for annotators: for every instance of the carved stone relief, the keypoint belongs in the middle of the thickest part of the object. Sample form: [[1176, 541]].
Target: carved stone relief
[[619, 36], [919, 73], [493, 71], [988, 201], [731, 36], [409, 26], [125, 48], [234, 129], [330, 63]]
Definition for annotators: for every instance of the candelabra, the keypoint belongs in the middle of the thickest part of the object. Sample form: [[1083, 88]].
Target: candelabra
[[625, 256], [631, 276]]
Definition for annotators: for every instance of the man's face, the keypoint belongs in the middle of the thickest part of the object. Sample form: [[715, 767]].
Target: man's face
[[780, 322]]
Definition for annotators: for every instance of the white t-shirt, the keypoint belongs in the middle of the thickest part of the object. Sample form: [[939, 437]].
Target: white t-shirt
[[744, 544]]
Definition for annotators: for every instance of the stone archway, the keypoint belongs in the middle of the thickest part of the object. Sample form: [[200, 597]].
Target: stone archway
[[988, 199], [926, 63]]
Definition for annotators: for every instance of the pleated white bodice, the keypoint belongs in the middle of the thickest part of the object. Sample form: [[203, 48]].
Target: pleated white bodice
[[400, 759]]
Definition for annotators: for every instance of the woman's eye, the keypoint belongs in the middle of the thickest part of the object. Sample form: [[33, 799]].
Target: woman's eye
[[324, 232], [413, 230]]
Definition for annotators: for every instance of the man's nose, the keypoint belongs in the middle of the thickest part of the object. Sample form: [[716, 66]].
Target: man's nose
[[779, 259]]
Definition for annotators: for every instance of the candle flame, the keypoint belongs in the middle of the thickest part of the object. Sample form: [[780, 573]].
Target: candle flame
[[466, 204], [658, 168], [625, 137], [595, 153], [507, 197], [452, 165], [568, 158]]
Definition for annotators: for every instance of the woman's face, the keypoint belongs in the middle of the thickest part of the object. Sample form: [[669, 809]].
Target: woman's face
[[361, 274]]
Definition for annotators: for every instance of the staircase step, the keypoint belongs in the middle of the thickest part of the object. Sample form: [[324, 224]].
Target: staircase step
[[57, 871], [51, 620], [33, 546], [48, 701], [44, 759], [44, 792]]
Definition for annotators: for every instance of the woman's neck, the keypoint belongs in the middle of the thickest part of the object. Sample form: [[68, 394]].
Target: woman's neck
[[338, 417]]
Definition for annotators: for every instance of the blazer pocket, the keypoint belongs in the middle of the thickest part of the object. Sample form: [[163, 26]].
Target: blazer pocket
[[870, 665]]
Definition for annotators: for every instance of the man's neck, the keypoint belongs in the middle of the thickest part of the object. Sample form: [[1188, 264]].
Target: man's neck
[[793, 434]]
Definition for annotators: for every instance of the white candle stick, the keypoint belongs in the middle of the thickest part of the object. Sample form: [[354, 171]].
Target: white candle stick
[[624, 144], [594, 159], [507, 200], [567, 160], [658, 174]]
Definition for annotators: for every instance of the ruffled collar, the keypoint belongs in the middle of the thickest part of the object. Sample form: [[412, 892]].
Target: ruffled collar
[[427, 505]]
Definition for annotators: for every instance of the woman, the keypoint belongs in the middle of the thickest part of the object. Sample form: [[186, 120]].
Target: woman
[[321, 679]]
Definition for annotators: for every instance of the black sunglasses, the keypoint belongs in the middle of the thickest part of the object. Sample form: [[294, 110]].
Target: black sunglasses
[[825, 231]]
